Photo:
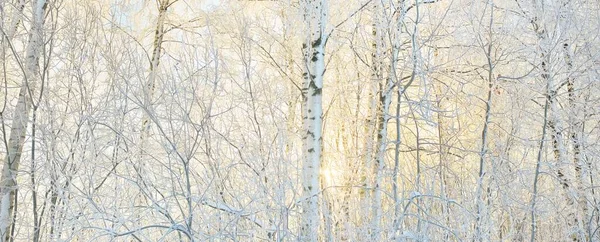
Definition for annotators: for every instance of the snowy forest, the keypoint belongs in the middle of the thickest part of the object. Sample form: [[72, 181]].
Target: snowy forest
[[300, 120]]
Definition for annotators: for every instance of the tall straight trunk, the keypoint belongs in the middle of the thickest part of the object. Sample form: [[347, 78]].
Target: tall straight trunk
[[385, 100], [576, 126], [383, 116], [398, 141], [479, 234], [575, 122], [313, 48], [538, 164], [593, 223], [558, 150], [393, 80], [369, 145], [442, 163], [443, 150], [8, 184], [396, 193], [381, 107], [373, 119]]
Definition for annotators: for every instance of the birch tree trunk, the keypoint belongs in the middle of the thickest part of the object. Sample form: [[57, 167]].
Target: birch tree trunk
[[8, 183], [150, 86], [576, 127], [149, 89], [554, 124], [313, 48], [373, 113], [8, 34], [575, 123], [380, 100]]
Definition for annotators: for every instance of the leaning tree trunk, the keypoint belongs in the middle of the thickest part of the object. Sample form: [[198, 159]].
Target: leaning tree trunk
[[20, 121], [7, 34], [150, 86], [313, 48]]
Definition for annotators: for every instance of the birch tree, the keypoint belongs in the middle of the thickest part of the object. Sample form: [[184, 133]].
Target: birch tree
[[313, 48], [542, 27], [149, 88], [31, 70], [182, 120]]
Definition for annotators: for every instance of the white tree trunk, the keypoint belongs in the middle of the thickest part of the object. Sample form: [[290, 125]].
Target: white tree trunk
[[20, 120], [554, 124], [150, 86], [381, 105], [315, 17]]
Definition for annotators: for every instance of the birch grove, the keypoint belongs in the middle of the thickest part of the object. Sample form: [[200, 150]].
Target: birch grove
[[299, 120]]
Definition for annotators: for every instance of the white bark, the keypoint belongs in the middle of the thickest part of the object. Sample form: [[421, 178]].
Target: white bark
[[14, 23], [554, 123], [574, 120], [150, 86], [149, 89], [315, 17], [382, 106], [20, 121]]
